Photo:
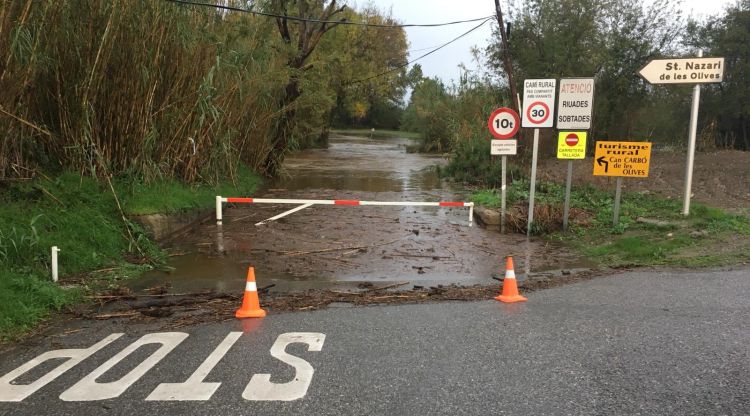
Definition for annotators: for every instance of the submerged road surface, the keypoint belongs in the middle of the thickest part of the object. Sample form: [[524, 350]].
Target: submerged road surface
[[648, 343], [325, 246]]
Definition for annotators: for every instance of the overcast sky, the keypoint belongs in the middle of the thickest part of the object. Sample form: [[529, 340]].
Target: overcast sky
[[444, 63]]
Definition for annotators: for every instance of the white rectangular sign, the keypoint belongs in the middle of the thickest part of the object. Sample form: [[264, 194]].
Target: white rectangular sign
[[684, 71], [575, 103], [504, 147], [538, 103]]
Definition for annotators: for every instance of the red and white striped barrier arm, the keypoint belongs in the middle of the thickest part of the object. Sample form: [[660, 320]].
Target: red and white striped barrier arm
[[304, 203]]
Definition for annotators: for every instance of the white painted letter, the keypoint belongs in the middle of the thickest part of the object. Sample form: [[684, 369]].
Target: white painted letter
[[88, 389], [260, 386], [17, 392], [194, 388]]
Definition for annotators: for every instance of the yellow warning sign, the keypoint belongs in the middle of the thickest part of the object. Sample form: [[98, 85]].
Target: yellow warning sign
[[629, 159], [571, 145]]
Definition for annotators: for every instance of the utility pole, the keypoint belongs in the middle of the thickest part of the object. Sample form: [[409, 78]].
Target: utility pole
[[506, 57]]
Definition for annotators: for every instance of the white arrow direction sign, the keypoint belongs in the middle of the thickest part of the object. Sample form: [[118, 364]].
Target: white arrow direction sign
[[684, 71]]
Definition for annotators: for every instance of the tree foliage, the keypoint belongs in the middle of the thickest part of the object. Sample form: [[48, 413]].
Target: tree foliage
[[726, 107], [153, 88], [609, 40]]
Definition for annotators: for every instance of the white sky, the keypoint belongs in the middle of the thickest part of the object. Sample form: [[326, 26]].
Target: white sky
[[444, 63]]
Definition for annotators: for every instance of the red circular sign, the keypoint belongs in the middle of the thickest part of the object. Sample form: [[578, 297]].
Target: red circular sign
[[571, 139], [537, 115], [504, 123]]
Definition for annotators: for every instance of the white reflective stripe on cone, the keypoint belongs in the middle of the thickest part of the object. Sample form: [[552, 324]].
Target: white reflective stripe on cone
[[251, 287], [510, 274]]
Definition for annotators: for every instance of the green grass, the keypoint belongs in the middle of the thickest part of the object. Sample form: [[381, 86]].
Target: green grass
[[26, 299], [169, 195], [80, 216], [378, 134], [708, 236]]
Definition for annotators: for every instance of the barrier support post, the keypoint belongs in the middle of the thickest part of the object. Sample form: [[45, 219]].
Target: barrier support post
[[471, 213], [218, 210]]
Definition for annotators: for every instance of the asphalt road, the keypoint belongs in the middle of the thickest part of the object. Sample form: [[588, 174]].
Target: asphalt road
[[648, 342]]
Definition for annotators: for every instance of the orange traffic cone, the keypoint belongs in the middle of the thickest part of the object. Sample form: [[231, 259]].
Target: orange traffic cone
[[510, 289], [250, 304]]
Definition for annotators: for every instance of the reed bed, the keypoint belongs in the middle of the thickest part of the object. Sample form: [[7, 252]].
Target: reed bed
[[135, 87]]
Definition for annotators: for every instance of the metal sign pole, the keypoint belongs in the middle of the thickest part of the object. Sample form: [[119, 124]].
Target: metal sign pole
[[566, 207], [502, 197], [618, 194], [691, 145], [534, 153]]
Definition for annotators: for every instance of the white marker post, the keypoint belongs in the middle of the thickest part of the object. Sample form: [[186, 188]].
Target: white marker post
[[503, 124], [538, 106], [54, 252], [697, 71]]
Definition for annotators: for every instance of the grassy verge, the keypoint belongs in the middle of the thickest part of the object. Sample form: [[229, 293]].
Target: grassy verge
[[81, 217], [378, 134], [662, 236]]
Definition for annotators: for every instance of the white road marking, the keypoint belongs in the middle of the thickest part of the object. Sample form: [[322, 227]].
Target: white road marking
[[89, 389], [260, 386], [194, 388], [17, 392]]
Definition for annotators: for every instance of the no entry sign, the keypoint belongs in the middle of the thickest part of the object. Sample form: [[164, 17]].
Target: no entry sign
[[571, 145], [538, 103], [504, 123], [575, 103]]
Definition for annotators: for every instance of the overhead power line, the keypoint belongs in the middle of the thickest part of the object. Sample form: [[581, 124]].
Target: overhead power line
[[422, 56], [341, 22]]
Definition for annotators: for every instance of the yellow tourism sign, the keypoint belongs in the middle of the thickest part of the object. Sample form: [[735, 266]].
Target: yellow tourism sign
[[629, 159], [571, 145]]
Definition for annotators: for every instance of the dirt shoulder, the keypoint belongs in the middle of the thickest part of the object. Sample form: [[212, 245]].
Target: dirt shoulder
[[720, 178]]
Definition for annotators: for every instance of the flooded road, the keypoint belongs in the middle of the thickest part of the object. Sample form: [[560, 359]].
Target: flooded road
[[325, 245]]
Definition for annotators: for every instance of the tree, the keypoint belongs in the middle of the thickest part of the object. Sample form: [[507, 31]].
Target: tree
[[726, 105], [368, 70], [301, 40], [608, 39]]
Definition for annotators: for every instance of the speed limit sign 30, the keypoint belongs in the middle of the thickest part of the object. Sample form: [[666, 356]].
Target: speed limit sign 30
[[538, 112], [538, 102], [504, 123]]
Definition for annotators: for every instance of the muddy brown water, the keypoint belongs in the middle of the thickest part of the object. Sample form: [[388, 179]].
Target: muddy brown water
[[326, 246]]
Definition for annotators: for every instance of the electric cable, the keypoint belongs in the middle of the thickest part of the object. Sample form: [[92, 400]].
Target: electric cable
[[342, 22], [422, 56]]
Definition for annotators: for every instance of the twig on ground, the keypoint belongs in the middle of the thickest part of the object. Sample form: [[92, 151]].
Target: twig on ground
[[387, 286]]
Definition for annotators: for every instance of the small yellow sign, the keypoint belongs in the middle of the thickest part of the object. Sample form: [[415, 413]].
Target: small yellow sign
[[628, 159], [571, 145]]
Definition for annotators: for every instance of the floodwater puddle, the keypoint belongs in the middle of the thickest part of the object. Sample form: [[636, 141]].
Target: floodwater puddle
[[326, 246]]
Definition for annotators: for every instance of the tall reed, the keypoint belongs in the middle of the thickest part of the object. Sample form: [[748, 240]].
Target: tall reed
[[139, 87]]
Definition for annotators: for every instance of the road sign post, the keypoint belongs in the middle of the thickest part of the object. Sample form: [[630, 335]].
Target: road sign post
[[570, 145], [568, 185], [575, 106], [538, 105], [618, 196], [691, 146], [504, 167], [503, 124], [686, 71], [621, 159]]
